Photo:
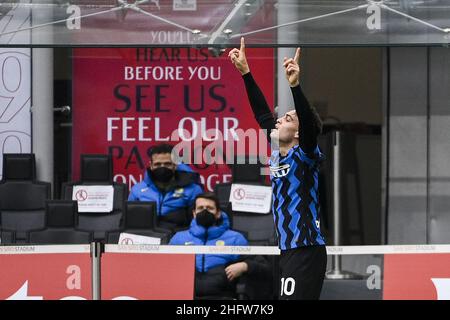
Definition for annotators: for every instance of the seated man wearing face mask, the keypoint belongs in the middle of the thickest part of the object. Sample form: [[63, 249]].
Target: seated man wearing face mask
[[173, 187], [216, 274]]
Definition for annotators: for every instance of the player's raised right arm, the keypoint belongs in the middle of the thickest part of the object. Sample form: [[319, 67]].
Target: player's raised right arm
[[257, 100]]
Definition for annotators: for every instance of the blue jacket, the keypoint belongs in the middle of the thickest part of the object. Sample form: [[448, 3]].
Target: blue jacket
[[217, 236], [181, 196]]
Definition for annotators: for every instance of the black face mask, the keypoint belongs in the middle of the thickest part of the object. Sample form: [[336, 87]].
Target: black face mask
[[205, 218], [161, 174]]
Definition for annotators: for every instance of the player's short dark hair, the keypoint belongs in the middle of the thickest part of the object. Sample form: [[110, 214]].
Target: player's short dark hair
[[209, 196], [160, 148]]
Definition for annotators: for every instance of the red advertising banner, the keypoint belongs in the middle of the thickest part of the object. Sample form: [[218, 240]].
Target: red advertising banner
[[44, 276], [127, 100], [147, 276], [416, 277]]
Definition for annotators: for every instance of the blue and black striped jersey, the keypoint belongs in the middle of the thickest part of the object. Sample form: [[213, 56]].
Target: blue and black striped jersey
[[295, 201]]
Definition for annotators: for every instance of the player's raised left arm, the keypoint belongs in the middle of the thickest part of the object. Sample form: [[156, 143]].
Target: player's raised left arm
[[308, 130]]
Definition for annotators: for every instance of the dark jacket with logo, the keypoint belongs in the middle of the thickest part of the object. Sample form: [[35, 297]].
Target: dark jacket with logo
[[210, 277], [217, 235]]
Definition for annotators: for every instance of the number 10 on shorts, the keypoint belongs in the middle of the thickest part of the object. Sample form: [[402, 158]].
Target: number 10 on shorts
[[287, 286]]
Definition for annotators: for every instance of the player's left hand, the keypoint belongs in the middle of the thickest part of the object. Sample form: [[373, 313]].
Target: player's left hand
[[292, 68], [235, 270]]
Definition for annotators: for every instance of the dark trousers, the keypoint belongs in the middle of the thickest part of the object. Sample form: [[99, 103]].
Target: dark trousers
[[302, 271]]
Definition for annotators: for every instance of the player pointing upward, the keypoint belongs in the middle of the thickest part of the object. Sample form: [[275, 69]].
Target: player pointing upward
[[294, 167]]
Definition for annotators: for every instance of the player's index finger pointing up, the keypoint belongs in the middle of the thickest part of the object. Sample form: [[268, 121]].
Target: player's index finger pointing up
[[297, 55], [242, 44]]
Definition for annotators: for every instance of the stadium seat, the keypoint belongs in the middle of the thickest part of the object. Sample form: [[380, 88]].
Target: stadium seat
[[61, 219], [6, 238], [22, 198], [258, 228], [140, 219], [247, 170], [222, 192], [98, 170]]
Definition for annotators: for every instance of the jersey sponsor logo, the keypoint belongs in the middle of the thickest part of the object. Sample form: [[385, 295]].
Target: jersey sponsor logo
[[280, 171], [177, 193]]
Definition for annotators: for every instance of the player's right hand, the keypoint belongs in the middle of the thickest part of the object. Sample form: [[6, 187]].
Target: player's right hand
[[239, 59]]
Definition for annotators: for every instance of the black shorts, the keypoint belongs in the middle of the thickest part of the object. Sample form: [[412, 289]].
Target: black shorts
[[302, 271]]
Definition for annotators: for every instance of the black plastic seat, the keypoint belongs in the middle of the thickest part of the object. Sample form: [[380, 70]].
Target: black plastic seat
[[61, 221], [19, 166], [222, 192], [258, 228], [97, 169], [6, 238], [247, 170], [22, 198], [140, 219]]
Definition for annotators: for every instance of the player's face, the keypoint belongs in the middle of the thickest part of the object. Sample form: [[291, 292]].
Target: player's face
[[162, 160], [208, 204], [286, 128]]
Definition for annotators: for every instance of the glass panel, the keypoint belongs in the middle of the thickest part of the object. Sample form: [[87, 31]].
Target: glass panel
[[221, 23], [354, 277]]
